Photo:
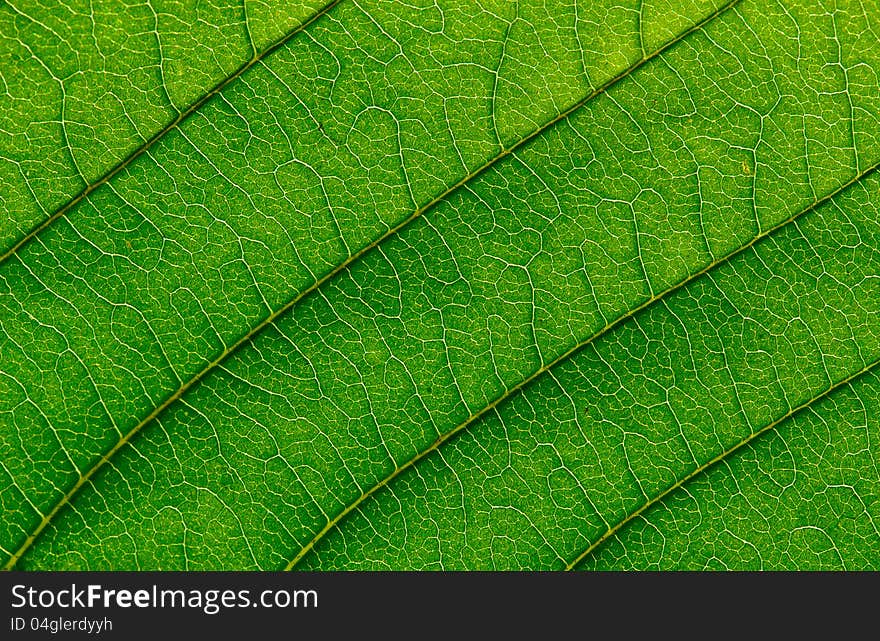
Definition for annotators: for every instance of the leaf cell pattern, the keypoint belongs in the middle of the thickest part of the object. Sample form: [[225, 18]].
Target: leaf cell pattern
[[441, 285]]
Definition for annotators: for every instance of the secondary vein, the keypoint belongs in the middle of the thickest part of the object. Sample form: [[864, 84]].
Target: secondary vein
[[567, 355], [181, 117], [717, 459]]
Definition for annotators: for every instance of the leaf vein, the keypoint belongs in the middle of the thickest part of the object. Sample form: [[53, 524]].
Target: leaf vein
[[661, 296], [274, 315], [723, 456], [148, 144]]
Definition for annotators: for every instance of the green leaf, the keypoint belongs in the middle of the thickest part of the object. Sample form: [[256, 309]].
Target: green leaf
[[89, 85], [453, 286]]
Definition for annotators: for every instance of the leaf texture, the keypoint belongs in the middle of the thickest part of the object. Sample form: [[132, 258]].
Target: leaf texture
[[462, 287], [89, 85]]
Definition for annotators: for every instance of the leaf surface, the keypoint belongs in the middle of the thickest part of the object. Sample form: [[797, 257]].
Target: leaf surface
[[90, 85], [421, 288]]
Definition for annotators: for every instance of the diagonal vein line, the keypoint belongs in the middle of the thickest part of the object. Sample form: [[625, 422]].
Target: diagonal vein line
[[84, 479], [718, 459], [181, 117], [567, 355]]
